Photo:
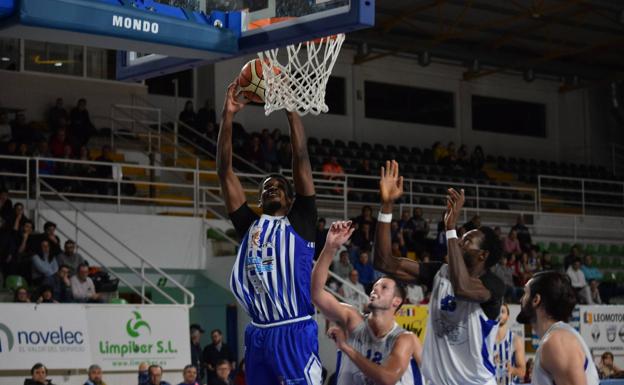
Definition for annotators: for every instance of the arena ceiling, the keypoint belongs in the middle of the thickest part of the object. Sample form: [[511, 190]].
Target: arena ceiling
[[579, 40]]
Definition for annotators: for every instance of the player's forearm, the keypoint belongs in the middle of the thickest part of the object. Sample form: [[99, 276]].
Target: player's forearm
[[375, 372], [457, 267], [302, 169], [402, 268], [320, 272], [224, 145]]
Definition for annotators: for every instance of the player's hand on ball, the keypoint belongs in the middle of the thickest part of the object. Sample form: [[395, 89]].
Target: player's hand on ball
[[232, 105], [339, 233], [391, 183], [454, 203], [338, 335]]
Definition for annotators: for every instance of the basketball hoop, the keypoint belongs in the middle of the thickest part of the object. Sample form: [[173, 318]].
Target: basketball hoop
[[299, 85]]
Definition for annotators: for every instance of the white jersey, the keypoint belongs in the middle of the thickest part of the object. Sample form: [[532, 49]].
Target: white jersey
[[363, 340], [503, 354], [458, 340], [542, 377]]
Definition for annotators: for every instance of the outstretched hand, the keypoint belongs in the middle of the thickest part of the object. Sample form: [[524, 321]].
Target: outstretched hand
[[232, 104], [454, 203], [391, 183], [338, 335], [339, 233]]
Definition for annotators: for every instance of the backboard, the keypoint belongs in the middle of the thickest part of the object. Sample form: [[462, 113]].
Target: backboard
[[258, 25]]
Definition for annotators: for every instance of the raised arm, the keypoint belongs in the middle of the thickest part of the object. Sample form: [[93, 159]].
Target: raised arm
[[343, 314], [387, 373], [302, 169], [463, 283], [391, 189], [231, 188]]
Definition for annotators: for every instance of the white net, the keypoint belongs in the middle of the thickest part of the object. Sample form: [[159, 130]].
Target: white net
[[299, 85]]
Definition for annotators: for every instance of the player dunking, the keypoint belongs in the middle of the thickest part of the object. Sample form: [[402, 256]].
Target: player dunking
[[562, 357], [466, 297], [271, 275], [508, 353], [373, 348]]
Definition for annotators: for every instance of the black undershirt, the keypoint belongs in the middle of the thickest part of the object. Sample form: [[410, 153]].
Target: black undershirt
[[495, 285]]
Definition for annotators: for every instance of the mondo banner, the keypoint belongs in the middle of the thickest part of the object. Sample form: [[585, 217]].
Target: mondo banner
[[116, 337], [49, 333]]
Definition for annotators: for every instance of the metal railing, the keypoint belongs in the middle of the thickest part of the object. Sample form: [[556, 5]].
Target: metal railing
[[580, 195], [189, 298]]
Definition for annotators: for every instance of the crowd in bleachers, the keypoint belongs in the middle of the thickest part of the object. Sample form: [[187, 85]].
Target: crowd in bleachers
[[38, 267]]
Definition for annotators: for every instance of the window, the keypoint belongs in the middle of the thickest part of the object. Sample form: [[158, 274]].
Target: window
[[9, 54], [53, 58], [101, 63], [163, 85], [508, 116], [409, 104], [335, 96]]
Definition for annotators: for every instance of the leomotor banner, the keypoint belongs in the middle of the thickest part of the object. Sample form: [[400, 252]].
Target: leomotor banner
[[602, 328], [56, 335], [116, 337], [122, 337]]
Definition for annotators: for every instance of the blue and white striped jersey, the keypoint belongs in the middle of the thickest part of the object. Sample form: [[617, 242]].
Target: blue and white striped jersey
[[502, 354], [272, 272]]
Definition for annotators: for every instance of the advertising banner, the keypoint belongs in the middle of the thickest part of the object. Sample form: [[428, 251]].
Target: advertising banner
[[414, 319], [116, 337], [52, 334], [124, 336], [602, 328]]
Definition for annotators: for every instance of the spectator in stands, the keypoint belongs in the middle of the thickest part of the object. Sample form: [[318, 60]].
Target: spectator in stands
[[524, 236], [269, 154], [398, 249], [462, 155], [361, 239], [594, 292], [57, 115], [440, 152], [70, 257], [18, 218], [364, 168], [49, 234], [254, 152], [82, 286], [143, 373], [473, 224], [321, 236], [503, 271], [590, 272], [188, 117], [451, 152], [103, 171], [189, 376], [26, 241], [332, 170], [21, 295], [205, 116], [44, 264], [216, 352], [22, 132], [353, 296], [239, 378], [155, 373], [5, 127], [343, 266], [45, 295], [222, 373], [61, 285], [365, 270], [39, 375], [81, 127], [477, 159], [366, 217], [607, 368], [546, 262], [511, 244], [95, 376], [575, 253], [196, 351], [415, 294], [420, 230], [58, 142], [6, 205], [577, 279], [284, 153]]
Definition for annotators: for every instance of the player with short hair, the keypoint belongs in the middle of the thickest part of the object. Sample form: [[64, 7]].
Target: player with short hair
[[373, 348], [562, 357], [271, 275], [465, 299], [508, 353]]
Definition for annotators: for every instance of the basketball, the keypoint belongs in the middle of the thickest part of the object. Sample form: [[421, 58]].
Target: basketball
[[251, 81]]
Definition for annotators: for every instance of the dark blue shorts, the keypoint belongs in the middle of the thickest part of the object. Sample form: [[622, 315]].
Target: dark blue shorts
[[283, 355]]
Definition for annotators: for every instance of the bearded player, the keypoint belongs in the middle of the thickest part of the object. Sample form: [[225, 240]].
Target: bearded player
[[466, 297], [271, 275], [562, 357], [373, 347]]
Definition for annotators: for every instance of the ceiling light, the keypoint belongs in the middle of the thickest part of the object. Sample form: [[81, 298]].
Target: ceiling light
[[4, 58]]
